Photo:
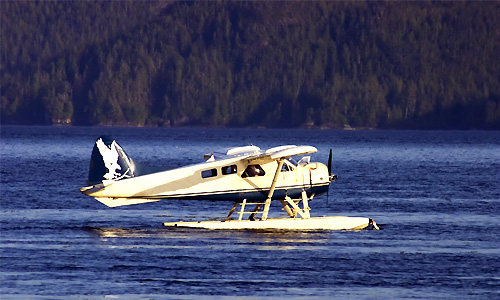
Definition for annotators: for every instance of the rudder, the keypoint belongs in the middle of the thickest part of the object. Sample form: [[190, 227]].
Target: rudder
[[109, 162]]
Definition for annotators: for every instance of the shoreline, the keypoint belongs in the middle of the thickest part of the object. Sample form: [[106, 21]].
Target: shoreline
[[345, 128]]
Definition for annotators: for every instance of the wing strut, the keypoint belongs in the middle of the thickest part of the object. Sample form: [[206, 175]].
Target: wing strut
[[271, 191]]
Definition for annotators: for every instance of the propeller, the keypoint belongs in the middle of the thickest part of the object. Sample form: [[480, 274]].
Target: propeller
[[330, 164], [329, 175]]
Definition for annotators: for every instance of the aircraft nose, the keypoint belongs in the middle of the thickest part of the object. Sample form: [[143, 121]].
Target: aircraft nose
[[320, 173]]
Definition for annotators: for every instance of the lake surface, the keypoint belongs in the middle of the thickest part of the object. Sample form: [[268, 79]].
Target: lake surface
[[435, 193]]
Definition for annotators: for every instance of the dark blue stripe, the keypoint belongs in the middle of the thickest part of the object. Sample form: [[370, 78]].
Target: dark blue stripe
[[293, 193]]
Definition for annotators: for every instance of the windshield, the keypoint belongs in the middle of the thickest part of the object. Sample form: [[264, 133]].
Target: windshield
[[292, 161]]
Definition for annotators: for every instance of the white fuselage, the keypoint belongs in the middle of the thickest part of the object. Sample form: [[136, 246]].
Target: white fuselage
[[211, 181]]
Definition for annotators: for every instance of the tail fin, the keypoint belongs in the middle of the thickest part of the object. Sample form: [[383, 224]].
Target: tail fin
[[109, 162]]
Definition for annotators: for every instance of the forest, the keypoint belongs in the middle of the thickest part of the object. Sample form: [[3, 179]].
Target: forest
[[311, 64]]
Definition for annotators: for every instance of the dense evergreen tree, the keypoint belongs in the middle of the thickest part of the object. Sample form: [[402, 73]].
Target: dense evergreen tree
[[331, 64]]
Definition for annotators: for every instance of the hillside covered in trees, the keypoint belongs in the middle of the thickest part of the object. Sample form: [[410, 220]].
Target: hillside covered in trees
[[279, 64]]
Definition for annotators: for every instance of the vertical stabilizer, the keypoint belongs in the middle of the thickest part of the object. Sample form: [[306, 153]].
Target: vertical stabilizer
[[109, 162]]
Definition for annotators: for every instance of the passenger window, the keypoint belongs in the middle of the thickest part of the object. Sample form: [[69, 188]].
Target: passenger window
[[229, 170], [209, 173], [253, 171]]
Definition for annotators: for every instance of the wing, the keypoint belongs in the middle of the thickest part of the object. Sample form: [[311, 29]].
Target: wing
[[251, 153], [291, 151], [280, 152]]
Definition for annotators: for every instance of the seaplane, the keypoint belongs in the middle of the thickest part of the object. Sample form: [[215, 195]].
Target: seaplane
[[248, 176]]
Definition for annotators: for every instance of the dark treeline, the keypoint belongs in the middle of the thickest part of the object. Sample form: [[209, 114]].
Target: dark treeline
[[330, 64]]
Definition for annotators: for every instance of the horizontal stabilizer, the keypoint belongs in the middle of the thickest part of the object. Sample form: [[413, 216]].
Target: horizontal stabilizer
[[114, 202]]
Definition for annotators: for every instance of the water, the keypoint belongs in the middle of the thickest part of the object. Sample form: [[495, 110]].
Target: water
[[436, 195]]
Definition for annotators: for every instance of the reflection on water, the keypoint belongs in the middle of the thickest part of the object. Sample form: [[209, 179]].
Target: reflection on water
[[276, 236], [264, 240]]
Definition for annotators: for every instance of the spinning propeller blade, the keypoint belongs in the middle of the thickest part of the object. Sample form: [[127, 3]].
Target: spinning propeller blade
[[329, 175], [330, 163]]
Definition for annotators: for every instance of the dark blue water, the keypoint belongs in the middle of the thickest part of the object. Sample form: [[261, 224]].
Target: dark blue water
[[436, 195]]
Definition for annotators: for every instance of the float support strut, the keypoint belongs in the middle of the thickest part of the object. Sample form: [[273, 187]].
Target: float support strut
[[271, 191], [305, 202]]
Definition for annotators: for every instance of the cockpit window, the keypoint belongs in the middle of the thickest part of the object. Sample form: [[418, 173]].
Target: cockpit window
[[253, 171], [292, 161], [287, 166]]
